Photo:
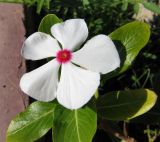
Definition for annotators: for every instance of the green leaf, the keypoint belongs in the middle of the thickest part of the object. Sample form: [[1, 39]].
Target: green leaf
[[130, 36], [31, 124], [124, 5], [47, 22], [86, 2], [124, 105], [136, 8], [75, 125], [40, 4], [129, 40], [47, 4], [151, 117], [152, 6]]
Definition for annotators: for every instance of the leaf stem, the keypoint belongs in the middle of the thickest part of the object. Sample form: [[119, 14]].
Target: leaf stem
[[103, 125], [125, 130]]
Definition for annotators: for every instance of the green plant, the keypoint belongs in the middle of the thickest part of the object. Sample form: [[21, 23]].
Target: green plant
[[81, 124]]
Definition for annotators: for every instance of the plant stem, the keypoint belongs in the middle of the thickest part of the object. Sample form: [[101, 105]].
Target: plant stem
[[103, 125]]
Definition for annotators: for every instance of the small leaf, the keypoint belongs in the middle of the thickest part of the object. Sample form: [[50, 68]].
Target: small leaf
[[75, 125], [86, 2], [47, 4], [152, 6], [124, 105], [40, 4], [32, 124], [124, 5], [129, 40], [47, 22], [136, 8]]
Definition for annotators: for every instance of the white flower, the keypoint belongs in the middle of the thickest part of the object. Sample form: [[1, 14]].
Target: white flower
[[79, 70]]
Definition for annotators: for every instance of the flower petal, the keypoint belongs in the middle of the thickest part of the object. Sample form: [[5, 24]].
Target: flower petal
[[76, 86], [41, 83], [71, 33], [39, 46], [99, 54]]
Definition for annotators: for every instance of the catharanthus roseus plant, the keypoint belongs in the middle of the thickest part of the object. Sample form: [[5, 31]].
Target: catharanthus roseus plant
[[72, 77], [79, 71]]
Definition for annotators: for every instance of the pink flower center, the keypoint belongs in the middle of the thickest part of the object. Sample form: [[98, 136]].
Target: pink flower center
[[64, 56]]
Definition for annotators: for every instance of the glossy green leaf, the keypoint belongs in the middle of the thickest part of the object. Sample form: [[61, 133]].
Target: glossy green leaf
[[130, 36], [31, 124], [75, 125], [129, 40], [151, 117], [152, 6], [47, 22], [124, 105]]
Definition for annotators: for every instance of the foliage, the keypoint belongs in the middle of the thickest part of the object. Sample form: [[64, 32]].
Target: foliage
[[37, 118], [130, 37], [134, 100], [88, 3], [75, 125], [39, 3]]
